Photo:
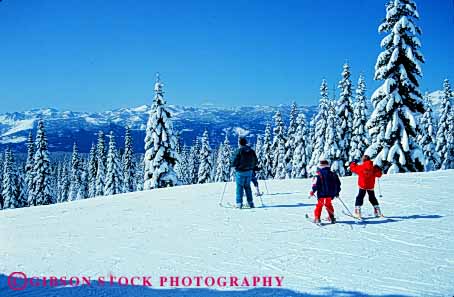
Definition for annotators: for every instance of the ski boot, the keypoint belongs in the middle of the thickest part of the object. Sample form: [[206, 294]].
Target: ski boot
[[332, 219], [251, 205], [317, 221], [239, 206], [377, 211], [358, 212]]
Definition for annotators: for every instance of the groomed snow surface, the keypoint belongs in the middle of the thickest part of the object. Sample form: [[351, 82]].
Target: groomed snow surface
[[182, 231]]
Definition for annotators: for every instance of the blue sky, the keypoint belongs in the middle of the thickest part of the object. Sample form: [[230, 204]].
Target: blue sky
[[96, 55]]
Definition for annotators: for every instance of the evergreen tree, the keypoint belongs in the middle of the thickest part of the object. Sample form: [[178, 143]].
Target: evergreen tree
[[182, 167], [76, 171], [140, 169], [448, 157], [21, 187], [427, 137], [223, 161], [443, 125], [160, 144], [300, 155], [1, 180], [59, 181], [267, 155], [194, 161], [9, 191], [278, 146], [360, 138], [332, 151], [204, 174], [113, 175], [128, 164], [260, 158], [65, 182], [101, 164], [320, 128], [92, 167], [345, 117], [290, 144], [397, 101], [84, 185], [29, 166], [42, 192]]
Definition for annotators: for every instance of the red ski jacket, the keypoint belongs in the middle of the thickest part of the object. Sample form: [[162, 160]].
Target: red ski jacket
[[367, 173]]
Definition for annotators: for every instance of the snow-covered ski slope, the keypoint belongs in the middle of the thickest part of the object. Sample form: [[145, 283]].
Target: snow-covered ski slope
[[182, 231]]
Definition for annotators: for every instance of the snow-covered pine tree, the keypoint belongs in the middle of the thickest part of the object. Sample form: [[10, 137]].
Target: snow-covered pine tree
[[426, 137], [128, 164], [448, 157], [320, 127], [59, 180], [290, 143], [278, 148], [101, 164], [92, 166], [9, 192], [345, 116], [259, 151], [21, 186], [332, 151], [182, 166], [392, 126], [204, 174], [42, 192], [65, 182], [360, 137], [267, 154], [160, 144], [443, 124], [29, 166], [300, 155], [84, 185], [1, 180], [140, 169], [113, 175], [223, 162], [310, 139], [194, 161], [76, 172]]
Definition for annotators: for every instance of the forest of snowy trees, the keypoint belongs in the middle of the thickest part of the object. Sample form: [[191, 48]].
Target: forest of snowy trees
[[400, 133]]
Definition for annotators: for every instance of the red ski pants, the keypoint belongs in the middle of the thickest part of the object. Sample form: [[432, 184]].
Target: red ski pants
[[323, 202]]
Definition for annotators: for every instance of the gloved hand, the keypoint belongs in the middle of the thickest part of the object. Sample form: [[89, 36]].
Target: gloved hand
[[311, 194]]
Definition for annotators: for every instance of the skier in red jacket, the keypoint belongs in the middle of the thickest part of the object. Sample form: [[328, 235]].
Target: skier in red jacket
[[367, 173]]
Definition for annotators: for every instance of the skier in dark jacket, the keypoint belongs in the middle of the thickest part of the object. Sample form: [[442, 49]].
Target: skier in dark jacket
[[367, 172], [327, 186], [244, 160]]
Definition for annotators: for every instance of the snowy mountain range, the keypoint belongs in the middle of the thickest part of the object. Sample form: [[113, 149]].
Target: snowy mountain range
[[65, 127]]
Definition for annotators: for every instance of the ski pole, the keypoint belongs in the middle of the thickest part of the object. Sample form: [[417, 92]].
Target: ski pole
[[223, 193], [345, 206], [266, 186], [379, 189], [261, 201]]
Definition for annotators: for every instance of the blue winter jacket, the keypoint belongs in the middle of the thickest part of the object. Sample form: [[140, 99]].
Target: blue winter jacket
[[326, 183]]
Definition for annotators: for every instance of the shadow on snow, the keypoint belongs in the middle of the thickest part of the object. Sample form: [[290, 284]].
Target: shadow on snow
[[140, 291]]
